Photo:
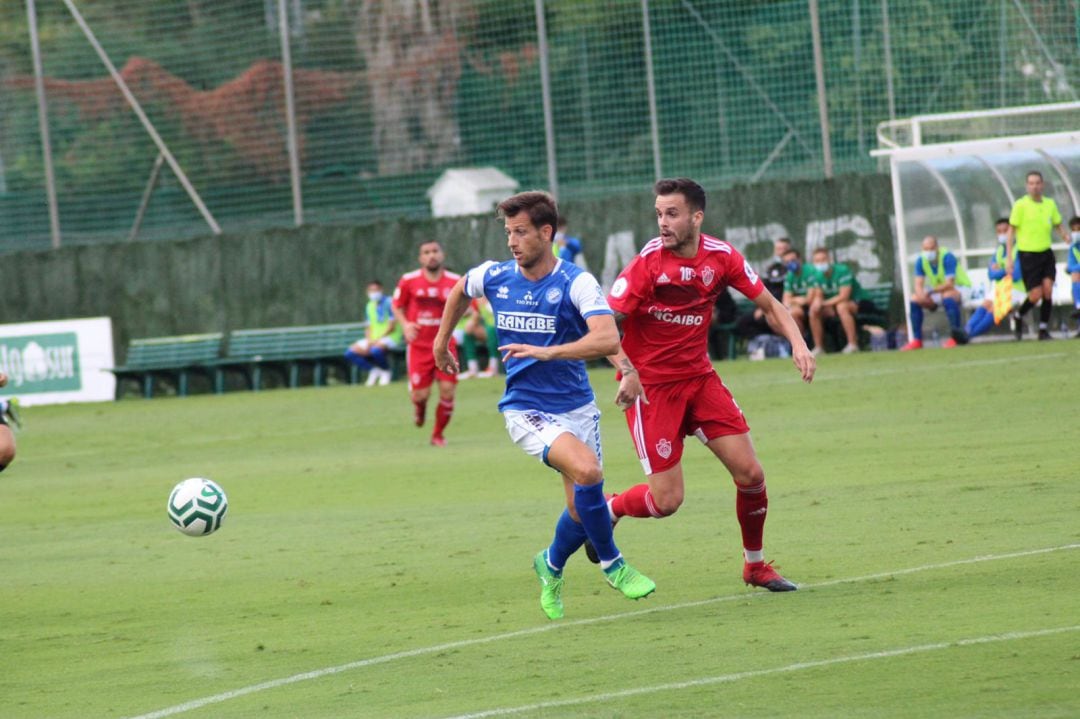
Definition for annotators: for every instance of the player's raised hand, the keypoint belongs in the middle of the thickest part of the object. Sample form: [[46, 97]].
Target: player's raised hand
[[805, 362], [630, 390], [520, 351], [445, 359]]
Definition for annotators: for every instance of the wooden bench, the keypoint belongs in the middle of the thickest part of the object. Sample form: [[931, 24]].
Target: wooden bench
[[287, 350], [168, 357]]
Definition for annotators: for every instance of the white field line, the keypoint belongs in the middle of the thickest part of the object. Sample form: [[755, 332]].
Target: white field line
[[421, 651], [725, 678], [824, 374]]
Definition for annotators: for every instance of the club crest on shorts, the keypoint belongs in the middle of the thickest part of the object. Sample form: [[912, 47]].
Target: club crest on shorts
[[663, 448]]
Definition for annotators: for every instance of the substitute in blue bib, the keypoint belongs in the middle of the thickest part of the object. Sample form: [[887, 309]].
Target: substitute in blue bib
[[1072, 266], [550, 318]]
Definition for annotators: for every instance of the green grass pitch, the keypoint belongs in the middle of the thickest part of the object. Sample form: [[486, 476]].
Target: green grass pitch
[[928, 503]]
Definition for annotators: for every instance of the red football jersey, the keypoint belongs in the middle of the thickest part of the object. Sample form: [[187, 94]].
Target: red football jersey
[[423, 301], [668, 303]]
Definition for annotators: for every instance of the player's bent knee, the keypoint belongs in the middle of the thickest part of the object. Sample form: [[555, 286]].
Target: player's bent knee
[[750, 476], [667, 504], [586, 476]]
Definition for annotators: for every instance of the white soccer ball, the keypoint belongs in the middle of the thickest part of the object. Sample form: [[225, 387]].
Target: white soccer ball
[[197, 506]]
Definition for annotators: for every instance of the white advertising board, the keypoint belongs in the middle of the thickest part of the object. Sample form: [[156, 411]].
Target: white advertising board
[[57, 362]]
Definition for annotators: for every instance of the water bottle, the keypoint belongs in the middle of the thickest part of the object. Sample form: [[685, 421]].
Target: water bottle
[[934, 338]]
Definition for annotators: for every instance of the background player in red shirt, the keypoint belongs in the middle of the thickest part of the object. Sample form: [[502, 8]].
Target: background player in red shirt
[[419, 300], [663, 303]]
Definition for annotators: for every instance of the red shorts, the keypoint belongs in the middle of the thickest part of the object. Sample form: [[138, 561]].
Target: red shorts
[[700, 406], [422, 370]]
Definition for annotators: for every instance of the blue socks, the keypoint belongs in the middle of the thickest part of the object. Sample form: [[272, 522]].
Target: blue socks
[[357, 360], [593, 511], [1076, 295], [952, 311], [569, 536], [980, 321], [916, 320], [378, 356]]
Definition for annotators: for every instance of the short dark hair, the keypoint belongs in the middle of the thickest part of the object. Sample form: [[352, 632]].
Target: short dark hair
[[1074, 220], [421, 243], [818, 250], [1033, 172], [377, 283], [1001, 220], [540, 207], [792, 251], [692, 191]]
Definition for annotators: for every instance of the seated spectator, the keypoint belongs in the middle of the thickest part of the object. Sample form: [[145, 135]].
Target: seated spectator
[[380, 337], [724, 311], [982, 319], [752, 324], [1073, 267], [567, 247], [939, 280], [798, 281], [479, 325], [835, 293]]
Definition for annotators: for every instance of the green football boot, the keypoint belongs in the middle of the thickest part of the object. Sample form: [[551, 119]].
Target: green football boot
[[551, 585], [632, 583], [11, 412]]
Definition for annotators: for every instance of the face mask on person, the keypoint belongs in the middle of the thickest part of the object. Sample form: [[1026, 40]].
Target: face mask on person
[[1003, 239], [375, 296], [1076, 236], [930, 255], [821, 266], [793, 265]]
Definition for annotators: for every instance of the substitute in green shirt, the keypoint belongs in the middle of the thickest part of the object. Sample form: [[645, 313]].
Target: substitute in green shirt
[[835, 293], [799, 280]]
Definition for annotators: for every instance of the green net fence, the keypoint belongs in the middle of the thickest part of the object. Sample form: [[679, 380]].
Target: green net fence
[[390, 94]]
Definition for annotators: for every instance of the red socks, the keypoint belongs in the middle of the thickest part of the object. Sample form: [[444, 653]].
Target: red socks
[[751, 506], [442, 416], [635, 502]]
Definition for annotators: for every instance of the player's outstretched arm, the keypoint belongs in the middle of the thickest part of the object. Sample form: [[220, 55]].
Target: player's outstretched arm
[[779, 316], [456, 305], [601, 340], [630, 388]]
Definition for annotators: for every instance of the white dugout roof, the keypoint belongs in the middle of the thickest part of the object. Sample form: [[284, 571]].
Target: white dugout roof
[[955, 189]]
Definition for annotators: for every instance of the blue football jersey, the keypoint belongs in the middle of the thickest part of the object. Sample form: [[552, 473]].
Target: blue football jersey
[[549, 311]]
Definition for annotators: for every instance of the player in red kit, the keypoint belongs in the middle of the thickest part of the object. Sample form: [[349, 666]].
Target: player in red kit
[[418, 304], [663, 303]]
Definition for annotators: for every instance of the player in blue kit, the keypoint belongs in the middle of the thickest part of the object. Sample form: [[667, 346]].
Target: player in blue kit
[[550, 317]]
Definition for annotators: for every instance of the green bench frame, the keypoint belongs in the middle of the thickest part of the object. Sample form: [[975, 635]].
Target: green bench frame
[[174, 358], [287, 350]]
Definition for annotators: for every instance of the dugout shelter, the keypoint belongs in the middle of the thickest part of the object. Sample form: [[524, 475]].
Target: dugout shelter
[[953, 174]]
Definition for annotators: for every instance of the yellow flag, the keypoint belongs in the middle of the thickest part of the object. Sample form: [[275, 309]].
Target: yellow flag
[[1002, 298]]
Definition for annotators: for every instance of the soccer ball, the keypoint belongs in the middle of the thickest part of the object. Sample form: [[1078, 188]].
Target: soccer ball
[[197, 506]]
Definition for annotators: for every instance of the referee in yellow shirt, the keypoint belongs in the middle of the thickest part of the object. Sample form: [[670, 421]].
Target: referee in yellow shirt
[[1031, 225]]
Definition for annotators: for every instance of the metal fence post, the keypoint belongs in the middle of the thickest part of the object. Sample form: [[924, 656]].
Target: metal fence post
[[819, 77], [290, 114], [650, 79], [43, 123], [545, 90]]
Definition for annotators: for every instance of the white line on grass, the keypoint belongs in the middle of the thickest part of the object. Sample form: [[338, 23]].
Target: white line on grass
[[862, 373], [725, 678], [421, 651]]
